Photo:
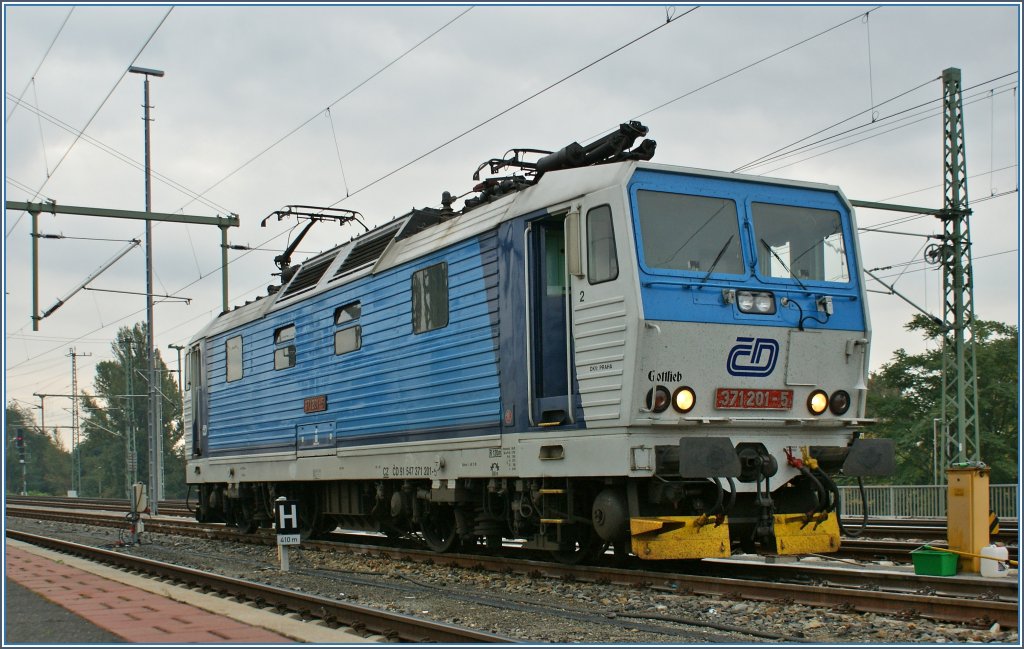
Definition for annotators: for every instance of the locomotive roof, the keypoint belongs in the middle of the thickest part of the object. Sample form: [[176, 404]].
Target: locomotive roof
[[394, 246]]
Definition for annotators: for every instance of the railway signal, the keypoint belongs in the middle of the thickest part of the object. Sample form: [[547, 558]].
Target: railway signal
[[19, 443]]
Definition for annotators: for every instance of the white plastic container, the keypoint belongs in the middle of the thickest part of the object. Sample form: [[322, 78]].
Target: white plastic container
[[994, 561]]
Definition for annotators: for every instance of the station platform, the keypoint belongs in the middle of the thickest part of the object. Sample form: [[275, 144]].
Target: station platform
[[53, 598]]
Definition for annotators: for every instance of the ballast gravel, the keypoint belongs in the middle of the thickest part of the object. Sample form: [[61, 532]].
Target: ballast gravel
[[526, 608]]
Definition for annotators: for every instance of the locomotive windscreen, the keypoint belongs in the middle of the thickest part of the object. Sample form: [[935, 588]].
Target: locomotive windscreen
[[690, 233]]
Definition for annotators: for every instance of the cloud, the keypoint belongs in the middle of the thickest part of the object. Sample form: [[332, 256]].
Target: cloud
[[240, 78]]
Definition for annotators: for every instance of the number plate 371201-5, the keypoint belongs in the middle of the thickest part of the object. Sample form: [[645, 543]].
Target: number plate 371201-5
[[753, 399]]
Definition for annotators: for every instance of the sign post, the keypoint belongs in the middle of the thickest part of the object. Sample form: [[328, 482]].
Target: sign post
[[287, 523]]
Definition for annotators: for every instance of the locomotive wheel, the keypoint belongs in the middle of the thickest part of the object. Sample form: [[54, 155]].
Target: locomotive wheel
[[245, 516], [438, 528], [579, 544], [311, 519], [622, 549], [239, 515], [327, 525]]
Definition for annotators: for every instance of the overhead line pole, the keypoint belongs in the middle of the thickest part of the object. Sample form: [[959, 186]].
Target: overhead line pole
[[959, 375], [960, 431], [155, 421]]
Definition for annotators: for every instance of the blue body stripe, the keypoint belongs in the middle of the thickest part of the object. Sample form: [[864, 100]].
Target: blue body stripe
[[680, 296], [397, 386]]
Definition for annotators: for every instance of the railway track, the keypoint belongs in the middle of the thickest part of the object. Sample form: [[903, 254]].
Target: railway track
[[965, 600], [927, 529], [363, 620]]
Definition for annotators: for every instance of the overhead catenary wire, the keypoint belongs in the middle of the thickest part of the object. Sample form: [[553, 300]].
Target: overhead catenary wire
[[337, 148], [772, 155], [930, 114], [359, 85], [93, 116], [749, 66], [922, 262], [540, 92], [39, 120], [346, 196], [871, 76], [123, 157], [32, 77], [648, 33], [768, 156], [669, 20]]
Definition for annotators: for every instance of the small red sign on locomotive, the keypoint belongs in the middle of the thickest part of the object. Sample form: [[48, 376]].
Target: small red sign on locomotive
[[315, 404], [753, 399]]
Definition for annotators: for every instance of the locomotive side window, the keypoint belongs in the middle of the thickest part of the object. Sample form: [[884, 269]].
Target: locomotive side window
[[554, 250], [690, 233], [800, 242], [187, 381], [350, 338], [602, 258], [284, 334], [347, 313], [430, 298], [284, 355], [233, 360]]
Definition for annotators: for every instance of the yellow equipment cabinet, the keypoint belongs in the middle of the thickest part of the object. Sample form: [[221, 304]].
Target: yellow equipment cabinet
[[967, 521]]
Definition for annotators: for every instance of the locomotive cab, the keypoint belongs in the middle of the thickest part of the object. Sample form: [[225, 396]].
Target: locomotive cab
[[753, 353]]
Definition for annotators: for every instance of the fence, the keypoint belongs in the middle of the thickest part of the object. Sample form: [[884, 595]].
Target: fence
[[919, 501]]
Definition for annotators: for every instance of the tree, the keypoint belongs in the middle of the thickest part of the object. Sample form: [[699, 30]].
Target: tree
[[47, 463], [115, 422], [906, 395]]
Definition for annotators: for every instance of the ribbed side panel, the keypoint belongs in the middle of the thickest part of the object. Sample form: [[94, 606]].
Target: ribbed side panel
[[397, 382], [599, 330]]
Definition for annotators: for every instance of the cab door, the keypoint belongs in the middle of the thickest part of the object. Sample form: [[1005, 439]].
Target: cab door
[[548, 323], [195, 387]]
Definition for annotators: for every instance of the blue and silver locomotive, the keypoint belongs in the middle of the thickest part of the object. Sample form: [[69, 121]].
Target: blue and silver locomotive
[[597, 351]]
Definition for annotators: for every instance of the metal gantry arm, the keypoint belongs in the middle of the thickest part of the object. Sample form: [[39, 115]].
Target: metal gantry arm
[[94, 275], [35, 209]]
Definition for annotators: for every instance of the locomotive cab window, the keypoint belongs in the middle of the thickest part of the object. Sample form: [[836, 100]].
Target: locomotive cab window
[[284, 354], [233, 358], [699, 234], [350, 338], [430, 298], [602, 258], [800, 243]]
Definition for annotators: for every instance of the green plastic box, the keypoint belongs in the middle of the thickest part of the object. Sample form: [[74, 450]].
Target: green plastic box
[[934, 563]]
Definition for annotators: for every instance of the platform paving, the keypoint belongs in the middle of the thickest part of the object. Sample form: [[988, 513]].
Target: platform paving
[[103, 605]]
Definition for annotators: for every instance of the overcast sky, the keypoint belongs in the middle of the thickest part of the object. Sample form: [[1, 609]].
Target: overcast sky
[[241, 118]]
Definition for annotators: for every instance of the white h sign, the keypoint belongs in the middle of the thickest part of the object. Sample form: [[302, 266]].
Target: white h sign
[[287, 516], [287, 524]]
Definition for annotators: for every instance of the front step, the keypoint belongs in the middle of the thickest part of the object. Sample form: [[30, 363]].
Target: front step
[[679, 537]]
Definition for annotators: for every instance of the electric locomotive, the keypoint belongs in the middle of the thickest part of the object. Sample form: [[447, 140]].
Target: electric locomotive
[[594, 351]]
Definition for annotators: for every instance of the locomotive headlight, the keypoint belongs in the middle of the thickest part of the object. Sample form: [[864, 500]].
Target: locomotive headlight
[[745, 301], [839, 402], [817, 402], [762, 302], [684, 399], [658, 399]]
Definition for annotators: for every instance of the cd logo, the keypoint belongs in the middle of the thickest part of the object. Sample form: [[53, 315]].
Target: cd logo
[[753, 357]]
